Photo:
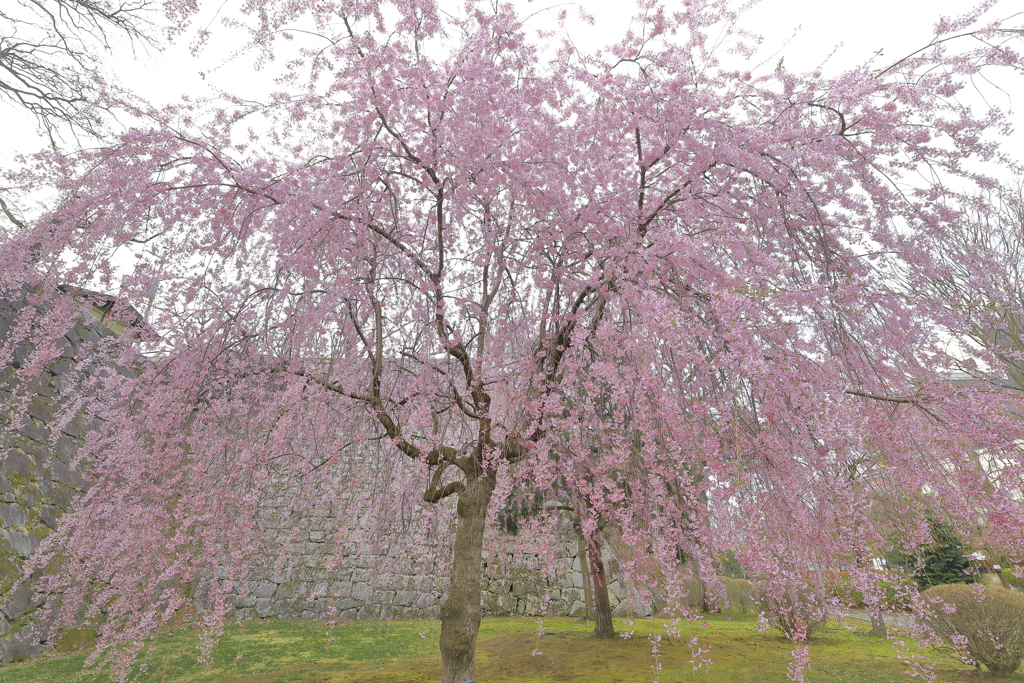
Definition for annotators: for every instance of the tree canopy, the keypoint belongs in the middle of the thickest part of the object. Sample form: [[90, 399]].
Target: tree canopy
[[693, 295]]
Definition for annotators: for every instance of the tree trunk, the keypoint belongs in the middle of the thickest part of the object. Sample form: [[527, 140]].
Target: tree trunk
[[698, 583], [460, 613], [603, 627], [878, 624]]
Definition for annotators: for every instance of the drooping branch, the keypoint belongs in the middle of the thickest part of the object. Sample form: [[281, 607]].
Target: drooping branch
[[434, 495], [917, 401]]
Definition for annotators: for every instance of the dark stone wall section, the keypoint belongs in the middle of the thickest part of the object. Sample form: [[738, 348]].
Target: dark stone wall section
[[37, 481]]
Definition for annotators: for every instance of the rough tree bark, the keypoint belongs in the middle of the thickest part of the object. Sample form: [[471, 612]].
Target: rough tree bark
[[878, 624], [588, 593], [460, 613], [699, 584], [603, 627]]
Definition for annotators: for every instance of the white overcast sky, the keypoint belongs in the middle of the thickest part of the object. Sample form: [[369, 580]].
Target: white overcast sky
[[853, 30]]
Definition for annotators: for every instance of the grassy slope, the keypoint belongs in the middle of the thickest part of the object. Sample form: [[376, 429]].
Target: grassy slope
[[394, 652]]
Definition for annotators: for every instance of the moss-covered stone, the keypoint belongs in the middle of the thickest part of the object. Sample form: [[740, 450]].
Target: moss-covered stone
[[81, 638]]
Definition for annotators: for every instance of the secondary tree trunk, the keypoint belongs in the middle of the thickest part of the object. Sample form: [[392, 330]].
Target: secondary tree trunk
[[878, 624], [588, 593], [698, 584], [460, 613], [603, 627]]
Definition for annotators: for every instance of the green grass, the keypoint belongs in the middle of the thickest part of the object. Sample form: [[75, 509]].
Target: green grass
[[394, 652]]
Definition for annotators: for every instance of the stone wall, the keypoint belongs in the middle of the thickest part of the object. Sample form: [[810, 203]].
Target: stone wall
[[366, 585], [312, 572], [37, 482]]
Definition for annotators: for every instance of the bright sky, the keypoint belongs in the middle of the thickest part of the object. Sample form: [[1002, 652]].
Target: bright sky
[[805, 32]]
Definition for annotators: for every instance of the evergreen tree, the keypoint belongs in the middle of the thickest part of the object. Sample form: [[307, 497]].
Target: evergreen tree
[[942, 562]]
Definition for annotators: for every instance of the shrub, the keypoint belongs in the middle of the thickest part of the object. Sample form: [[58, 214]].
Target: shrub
[[794, 609], [987, 626], [740, 594], [1011, 578], [694, 594]]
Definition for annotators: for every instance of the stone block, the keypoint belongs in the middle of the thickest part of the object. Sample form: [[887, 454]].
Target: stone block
[[532, 605], [22, 352], [264, 607], [289, 589], [285, 609], [73, 429], [18, 463], [66, 448], [12, 514], [323, 605], [62, 473], [33, 429], [62, 366], [244, 601], [28, 496], [49, 515], [20, 601], [19, 648], [44, 385], [556, 608], [22, 543], [361, 591], [265, 589], [75, 640], [41, 409], [63, 496], [342, 604], [382, 597]]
